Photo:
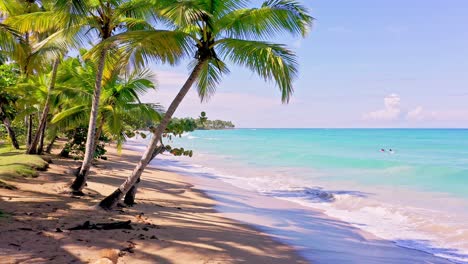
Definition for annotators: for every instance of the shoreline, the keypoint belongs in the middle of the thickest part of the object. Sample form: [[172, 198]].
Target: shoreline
[[318, 237], [209, 220], [172, 222]]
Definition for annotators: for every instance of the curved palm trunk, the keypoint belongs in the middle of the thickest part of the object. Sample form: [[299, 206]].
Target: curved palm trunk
[[33, 149], [11, 133], [80, 181], [111, 201], [51, 145], [131, 194]]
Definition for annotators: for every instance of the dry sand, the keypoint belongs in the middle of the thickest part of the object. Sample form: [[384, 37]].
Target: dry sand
[[172, 222]]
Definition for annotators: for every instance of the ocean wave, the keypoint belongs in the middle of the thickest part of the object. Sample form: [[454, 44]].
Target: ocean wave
[[408, 227], [423, 229]]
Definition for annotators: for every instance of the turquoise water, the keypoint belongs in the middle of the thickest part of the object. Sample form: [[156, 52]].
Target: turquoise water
[[429, 159], [415, 195]]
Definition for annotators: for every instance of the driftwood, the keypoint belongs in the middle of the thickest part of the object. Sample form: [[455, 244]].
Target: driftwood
[[103, 226]]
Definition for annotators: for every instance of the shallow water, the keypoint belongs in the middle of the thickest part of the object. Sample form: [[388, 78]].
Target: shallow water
[[416, 194]]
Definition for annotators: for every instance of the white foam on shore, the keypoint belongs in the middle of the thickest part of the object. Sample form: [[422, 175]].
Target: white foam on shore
[[422, 229]]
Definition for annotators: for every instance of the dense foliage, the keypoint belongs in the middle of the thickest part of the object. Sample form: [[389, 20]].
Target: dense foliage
[[215, 124], [80, 67]]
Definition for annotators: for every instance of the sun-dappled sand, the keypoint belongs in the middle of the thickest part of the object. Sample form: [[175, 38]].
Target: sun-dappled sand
[[172, 222]]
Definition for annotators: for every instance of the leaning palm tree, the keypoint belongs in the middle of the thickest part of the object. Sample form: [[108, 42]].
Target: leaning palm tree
[[101, 20], [221, 31]]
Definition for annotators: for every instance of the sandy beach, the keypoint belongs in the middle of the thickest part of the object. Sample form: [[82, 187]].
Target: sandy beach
[[178, 219], [172, 222]]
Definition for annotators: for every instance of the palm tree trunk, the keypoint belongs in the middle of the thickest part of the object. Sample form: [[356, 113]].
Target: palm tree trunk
[[111, 201], [80, 181], [129, 199], [32, 149], [40, 147], [11, 133], [29, 123], [98, 134], [51, 145]]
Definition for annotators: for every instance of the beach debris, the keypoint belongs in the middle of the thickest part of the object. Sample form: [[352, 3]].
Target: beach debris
[[130, 248], [103, 226]]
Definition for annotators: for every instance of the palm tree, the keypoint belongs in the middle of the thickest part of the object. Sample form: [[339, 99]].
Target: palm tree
[[101, 20], [119, 105], [223, 31], [21, 50], [175, 128], [36, 93], [33, 50], [8, 79], [39, 136]]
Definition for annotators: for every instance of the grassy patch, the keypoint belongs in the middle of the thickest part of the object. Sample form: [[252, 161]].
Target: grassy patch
[[14, 163]]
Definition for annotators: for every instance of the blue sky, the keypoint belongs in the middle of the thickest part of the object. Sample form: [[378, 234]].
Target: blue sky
[[366, 63]]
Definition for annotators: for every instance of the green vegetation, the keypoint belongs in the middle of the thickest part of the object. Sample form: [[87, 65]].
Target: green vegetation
[[215, 124], [224, 32], [14, 164], [204, 124], [78, 69]]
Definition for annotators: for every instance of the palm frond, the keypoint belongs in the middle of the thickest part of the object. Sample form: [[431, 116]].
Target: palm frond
[[142, 47], [77, 7], [39, 22], [71, 117], [270, 61], [178, 14], [273, 18], [219, 8], [210, 77]]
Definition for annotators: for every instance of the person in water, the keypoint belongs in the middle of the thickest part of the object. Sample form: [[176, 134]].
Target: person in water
[[382, 150]]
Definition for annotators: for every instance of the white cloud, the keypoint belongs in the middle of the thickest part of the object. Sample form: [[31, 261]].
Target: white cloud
[[421, 114], [394, 111], [391, 111]]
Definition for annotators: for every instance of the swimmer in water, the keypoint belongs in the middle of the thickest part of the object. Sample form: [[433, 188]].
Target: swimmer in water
[[382, 150]]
